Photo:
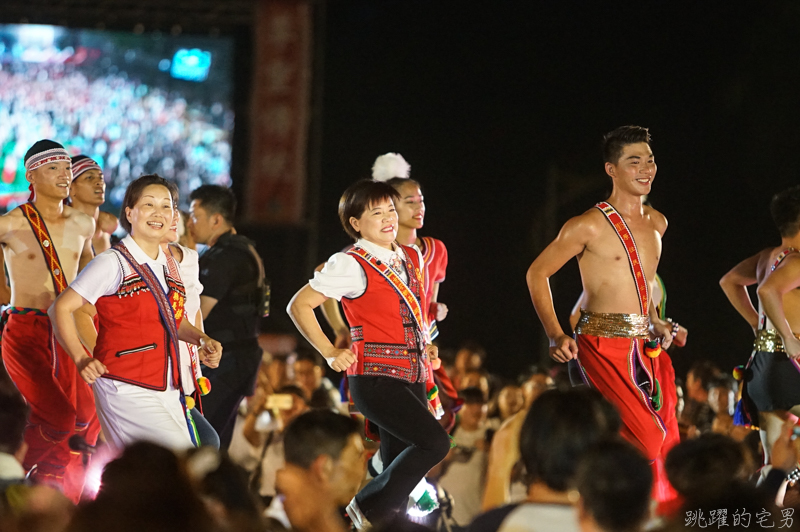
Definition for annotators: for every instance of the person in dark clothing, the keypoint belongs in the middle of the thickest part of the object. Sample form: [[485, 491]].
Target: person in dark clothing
[[232, 302]]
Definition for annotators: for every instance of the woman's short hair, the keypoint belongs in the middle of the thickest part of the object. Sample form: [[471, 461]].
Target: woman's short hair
[[359, 197]]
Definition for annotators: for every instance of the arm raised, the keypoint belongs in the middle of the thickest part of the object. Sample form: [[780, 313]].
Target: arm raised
[[735, 283]]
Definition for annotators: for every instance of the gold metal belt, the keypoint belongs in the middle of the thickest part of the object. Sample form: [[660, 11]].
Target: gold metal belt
[[609, 325], [768, 340]]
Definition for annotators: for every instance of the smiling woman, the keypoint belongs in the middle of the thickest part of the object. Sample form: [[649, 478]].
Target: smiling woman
[[140, 297]]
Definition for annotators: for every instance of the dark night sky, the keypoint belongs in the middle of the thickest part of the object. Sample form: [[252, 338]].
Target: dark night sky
[[484, 101]]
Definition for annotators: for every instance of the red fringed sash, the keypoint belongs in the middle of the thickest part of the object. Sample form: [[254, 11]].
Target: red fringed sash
[[46, 243]]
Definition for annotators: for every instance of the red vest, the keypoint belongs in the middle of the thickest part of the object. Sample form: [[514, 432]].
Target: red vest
[[131, 340], [386, 339]]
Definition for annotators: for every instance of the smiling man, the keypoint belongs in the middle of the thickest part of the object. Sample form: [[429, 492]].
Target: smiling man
[[618, 246], [45, 244], [88, 193]]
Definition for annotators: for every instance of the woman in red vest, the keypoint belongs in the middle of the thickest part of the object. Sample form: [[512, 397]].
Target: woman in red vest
[[379, 284], [139, 297]]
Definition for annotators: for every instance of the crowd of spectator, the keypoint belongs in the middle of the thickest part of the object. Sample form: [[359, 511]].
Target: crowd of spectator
[[128, 127]]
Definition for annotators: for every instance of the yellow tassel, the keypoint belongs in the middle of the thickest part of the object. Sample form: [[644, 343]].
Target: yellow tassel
[[189, 402]]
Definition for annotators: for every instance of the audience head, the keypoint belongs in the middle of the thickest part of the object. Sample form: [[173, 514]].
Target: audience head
[[705, 466], [473, 411], [470, 356], [510, 400], [785, 209], [536, 384], [558, 429], [615, 483], [146, 488], [329, 447], [699, 378], [475, 378], [721, 396], [212, 211], [308, 372]]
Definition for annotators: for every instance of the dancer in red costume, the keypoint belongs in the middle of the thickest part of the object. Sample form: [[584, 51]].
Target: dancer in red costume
[[45, 244], [618, 246], [379, 284]]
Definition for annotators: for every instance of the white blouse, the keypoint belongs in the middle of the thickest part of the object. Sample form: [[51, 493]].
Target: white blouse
[[342, 276]]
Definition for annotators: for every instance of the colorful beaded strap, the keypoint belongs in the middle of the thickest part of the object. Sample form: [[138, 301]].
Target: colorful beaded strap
[[626, 237], [46, 243], [400, 287]]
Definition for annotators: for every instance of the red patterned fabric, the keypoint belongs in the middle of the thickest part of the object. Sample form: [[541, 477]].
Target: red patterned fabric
[[48, 248], [131, 340], [608, 365], [386, 338], [61, 403]]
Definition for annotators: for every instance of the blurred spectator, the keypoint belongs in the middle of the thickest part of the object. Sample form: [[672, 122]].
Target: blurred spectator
[[508, 402], [310, 376], [614, 482], [324, 451], [233, 302], [697, 415], [706, 466], [536, 384], [475, 378], [129, 127], [146, 488], [465, 465], [470, 357], [264, 428], [558, 429], [721, 399], [223, 487], [13, 419]]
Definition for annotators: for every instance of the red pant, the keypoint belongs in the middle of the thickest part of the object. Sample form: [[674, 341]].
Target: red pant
[[666, 377], [609, 365], [61, 403]]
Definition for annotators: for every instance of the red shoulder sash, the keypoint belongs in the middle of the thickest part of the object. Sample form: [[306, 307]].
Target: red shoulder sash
[[626, 237], [46, 243], [400, 287]]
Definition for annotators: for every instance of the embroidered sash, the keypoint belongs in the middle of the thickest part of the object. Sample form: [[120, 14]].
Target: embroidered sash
[[400, 287], [626, 237], [46, 243], [168, 314]]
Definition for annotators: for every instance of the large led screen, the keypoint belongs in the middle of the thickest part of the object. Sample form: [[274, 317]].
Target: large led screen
[[136, 103]]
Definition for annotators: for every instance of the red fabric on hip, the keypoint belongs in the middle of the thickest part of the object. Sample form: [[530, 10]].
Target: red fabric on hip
[[61, 403], [608, 364]]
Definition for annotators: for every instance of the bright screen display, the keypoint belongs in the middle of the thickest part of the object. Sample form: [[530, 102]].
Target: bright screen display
[[136, 103]]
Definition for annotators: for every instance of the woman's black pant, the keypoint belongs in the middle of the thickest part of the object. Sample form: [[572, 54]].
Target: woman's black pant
[[412, 441]]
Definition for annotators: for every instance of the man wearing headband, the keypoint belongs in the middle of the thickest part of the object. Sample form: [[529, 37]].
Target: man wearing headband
[[45, 243], [88, 193]]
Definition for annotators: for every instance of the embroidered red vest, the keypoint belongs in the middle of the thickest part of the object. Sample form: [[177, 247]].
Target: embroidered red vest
[[132, 341], [386, 338]]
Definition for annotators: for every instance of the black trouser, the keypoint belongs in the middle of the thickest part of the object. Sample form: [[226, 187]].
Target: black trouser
[[412, 441], [231, 382]]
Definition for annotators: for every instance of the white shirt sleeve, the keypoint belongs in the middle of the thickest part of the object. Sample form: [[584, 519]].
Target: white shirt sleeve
[[101, 277], [341, 276]]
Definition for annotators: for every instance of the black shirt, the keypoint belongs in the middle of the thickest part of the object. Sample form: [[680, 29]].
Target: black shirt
[[230, 274]]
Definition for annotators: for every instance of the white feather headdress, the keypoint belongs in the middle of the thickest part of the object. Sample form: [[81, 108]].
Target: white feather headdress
[[390, 165]]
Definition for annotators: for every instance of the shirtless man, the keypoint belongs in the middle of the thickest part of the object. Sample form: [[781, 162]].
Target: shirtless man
[[61, 403], [88, 193], [619, 315], [771, 384]]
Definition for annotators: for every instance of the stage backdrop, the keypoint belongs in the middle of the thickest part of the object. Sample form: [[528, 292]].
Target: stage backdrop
[[280, 113]]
